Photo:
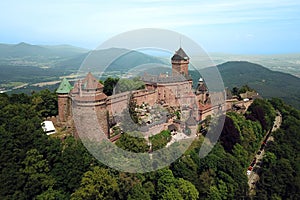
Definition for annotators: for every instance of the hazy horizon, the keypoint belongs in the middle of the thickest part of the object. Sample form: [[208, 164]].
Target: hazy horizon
[[214, 52], [237, 27]]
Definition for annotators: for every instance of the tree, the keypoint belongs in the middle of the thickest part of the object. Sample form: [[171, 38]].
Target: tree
[[126, 182], [45, 102], [170, 193], [263, 111], [269, 158], [214, 193], [187, 190], [51, 194], [36, 170], [72, 162], [241, 155], [133, 141], [222, 187], [109, 85], [279, 177], [160, 140], [229, 135], [186, 168], [165, 179], [97, 184], [138, 192], [207, 179], [124, 85], [244, 89]]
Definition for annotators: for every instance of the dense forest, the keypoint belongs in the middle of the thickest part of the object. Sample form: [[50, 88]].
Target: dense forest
[[36, 166], [267, 82]]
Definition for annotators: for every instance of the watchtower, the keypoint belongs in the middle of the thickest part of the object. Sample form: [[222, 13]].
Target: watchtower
[[64, 102], [180, 63]]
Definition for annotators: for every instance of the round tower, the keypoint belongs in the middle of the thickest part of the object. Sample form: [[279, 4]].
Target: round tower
[[88, 97], [64, 106]]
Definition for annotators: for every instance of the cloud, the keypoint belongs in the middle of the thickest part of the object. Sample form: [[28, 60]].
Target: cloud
[[93, 21]]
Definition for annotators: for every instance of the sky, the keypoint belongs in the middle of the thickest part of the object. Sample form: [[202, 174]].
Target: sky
[[241, 27]]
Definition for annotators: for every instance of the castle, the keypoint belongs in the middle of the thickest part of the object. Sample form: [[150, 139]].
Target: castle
[[168, 91]]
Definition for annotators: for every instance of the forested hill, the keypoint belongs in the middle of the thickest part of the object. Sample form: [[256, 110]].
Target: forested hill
[[23, 49], [267, 82], [36, 166]]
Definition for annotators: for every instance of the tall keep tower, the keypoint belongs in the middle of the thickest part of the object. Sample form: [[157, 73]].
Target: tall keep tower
[[180, 63], [64, 102]]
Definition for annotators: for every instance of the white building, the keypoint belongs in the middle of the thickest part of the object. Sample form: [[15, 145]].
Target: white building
[[48, 127]]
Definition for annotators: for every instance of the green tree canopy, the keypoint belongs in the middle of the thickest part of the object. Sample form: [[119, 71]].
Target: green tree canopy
[[97, 184]]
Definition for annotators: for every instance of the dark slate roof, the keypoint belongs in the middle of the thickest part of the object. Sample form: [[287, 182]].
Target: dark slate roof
[[64, 87], [191, 121], [172, 127], [180, 55], [169, 79], [201, 87]]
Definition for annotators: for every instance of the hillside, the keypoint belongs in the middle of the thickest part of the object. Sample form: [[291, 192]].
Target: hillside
[[21, 50], [70, 57], [287, 63], [117, 59], [26, 63], [31, 63], [267, 82]]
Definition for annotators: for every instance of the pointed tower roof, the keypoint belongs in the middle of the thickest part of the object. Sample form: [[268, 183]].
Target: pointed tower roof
[[65, 87], [191, 121], [91, 83], [180, 55]]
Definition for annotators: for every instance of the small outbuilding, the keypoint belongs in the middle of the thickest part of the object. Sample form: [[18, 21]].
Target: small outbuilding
[[48, 127], [172, 128]]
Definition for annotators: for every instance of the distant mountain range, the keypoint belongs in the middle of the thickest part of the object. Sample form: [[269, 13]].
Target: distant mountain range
[[70, 58], [32, 63], [114, 59], [27, 50]]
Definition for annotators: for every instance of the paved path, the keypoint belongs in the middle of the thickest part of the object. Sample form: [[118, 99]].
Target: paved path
[[253, 177]]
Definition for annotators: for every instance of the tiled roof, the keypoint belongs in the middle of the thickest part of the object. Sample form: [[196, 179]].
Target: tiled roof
[[180, 55], [168, 79], [91, 83], [203, 107], [65, 87]]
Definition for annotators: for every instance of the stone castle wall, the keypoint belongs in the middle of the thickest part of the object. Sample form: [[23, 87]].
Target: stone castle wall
[[144, 96], [115, 104], [64, 110]]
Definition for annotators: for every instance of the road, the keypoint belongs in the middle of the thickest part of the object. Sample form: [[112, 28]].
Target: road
[[253, 177]]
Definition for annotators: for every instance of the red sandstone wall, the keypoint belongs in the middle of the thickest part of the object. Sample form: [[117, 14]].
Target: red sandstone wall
[[102, 117], [169, 92], [117, 103], [144, 96], [63, 107], [180, 67]]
